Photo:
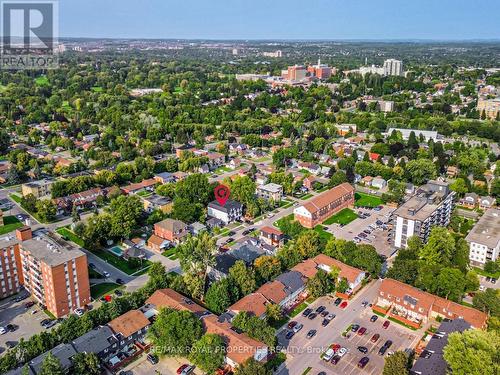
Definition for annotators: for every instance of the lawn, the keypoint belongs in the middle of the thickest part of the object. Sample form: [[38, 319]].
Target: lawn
[[222, 169], [71, 236], [42, 81], [279, 223], [170, 253], [93, 274], [9, 224], [482, 272], [144, 193], [15, 197], [119, 262], [98, 290], [307, 196], [367, 200], [323, 234], [344, 217], [297, 310]]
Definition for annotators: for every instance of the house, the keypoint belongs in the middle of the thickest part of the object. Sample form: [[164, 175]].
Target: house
[[247, 249], [169, 298], [130, 327], [413, 306], [63, 352], [204, 169], [260, 179], [220, 269], [270, 192], [145, 185], [324, 205], [101, 341], [39, 189], [367, 180], [344, 129], [84, 200], [295, 284], [229, 212], [215, 160], [164, 178], [272, 236], [253, 303], [239, 148], [171, 230], [486, 202], [179, 176], [379, 183], [184, 148], [431, 360], [196, 228], [469, 200], [409, 188], [235, 163], [309, 181], [157, 202], [451, 171]]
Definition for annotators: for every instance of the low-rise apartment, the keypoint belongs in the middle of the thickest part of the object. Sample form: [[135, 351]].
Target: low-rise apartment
[[484, 238], [39, 189], [270, 192]]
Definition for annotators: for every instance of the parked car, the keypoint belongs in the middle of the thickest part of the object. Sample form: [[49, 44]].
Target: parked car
[[363, 349], [375, 337], [331, 316], [44, 322], [153, 359], [92, 265], [363, 361], [28, 304], [311, 333], [325, 322], [292, 324], [306, 312], [493, 280], [343, 305], [188, 369], [388, 343], [247, 231], [320, 309], [328, 355], [342, 351], [79, 312], [311, 316], [324, 313], [373, 318], [338, 301], [231, 233], [120, 281], [10, 344], [50, 324], [180, 369], [361, 331], [118, 292], [354, 327], [289, 335], [382, 350], [298, 327], [3, 330], [386, 324], [336, 359], [106, 274]]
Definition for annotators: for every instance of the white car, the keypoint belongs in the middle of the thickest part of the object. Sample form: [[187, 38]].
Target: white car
[[79, 312], [342, 351], [328, 355], [3, 330], [297, 328], [106, 274], [270, 215]]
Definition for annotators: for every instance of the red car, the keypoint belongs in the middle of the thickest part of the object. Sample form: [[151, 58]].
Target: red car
[[386, 324], [292, 324], [361, 331], [375, 337], [343, 305], [182, 368]]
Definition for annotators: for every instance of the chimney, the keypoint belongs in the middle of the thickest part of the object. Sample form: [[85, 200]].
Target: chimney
[[24, 233]]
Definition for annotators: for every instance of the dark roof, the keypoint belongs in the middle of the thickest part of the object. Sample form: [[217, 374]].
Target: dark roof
[[224, 262], [431, 361], [95, 341], [230, 204], [63, 352], [247, 252], [292, 280]]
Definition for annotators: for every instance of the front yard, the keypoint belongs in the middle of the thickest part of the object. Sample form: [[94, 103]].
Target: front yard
[[98, 290], [10, 223], [344, 217], [367, 200]]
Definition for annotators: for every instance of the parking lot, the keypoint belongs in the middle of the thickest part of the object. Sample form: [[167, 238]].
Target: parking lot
[[303, 352], [378, 235]]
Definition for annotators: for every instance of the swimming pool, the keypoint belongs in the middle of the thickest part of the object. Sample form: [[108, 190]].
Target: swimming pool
[[116, 250]]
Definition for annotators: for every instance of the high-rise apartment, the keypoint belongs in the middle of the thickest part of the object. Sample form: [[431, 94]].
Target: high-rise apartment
[[393, 67]]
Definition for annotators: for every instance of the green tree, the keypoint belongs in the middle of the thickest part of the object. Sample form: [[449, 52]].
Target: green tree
[[125, 212], [174, 332], [242, 189], [459, 186], [421, 170], [320, 284], [221, 295], [267, 267], [51, 366], [337, 178], [196, 253], [86, 364], [252, 367], [273, 312], [308, 243], [396, 364], [439, 247], [488, 301], [46, 210], [473, 352], [450, 284], [208, 353], [243, 277]]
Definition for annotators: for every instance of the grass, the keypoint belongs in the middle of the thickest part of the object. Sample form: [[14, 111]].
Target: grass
[[96, 89], [69, 235], [324, 188], [297, 310], [482, 272], [279, 223], [378, 313], [401, 323], [345, 216], [119, 262], [307, 196], [323, 234], [222, 169], [170, 253], [306, 371], [42, 81], [49, 314], [367, 200], [98, 290], [15, 197], [144, 193], [10, 223]]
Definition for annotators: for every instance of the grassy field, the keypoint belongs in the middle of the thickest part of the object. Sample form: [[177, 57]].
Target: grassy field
[[15, 197], [343, 217], [69, 235], [10, 223], [297, 310], [120, 263], [482, 272], [366, 200], [98, 290], [307, 196], [323, 234]]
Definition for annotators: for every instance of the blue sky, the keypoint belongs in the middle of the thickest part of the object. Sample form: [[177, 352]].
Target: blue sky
[[278, 19]]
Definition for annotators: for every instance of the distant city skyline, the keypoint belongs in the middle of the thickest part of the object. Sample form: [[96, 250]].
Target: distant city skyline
[[281, 20]]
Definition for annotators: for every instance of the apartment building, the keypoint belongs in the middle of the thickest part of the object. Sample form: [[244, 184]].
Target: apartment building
[[490, 107], [414, 307], [39, 189], [484, 238], [393, 67], [227, 213], [168, 231], [431, 205], [321, 207], [270, 192], [53, 271]]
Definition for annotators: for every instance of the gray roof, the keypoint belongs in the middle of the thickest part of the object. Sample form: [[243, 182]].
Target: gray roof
[[50, 249], [95, 341], [247, 252], [431, 361], [230, 204], [487, 229], [224, 262], [292, 280], [63, 352]]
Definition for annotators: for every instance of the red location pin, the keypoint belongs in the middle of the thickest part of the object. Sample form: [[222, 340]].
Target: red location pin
[[221, 193]]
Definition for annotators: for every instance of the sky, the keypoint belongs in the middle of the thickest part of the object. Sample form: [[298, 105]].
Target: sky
[[279, 19]]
